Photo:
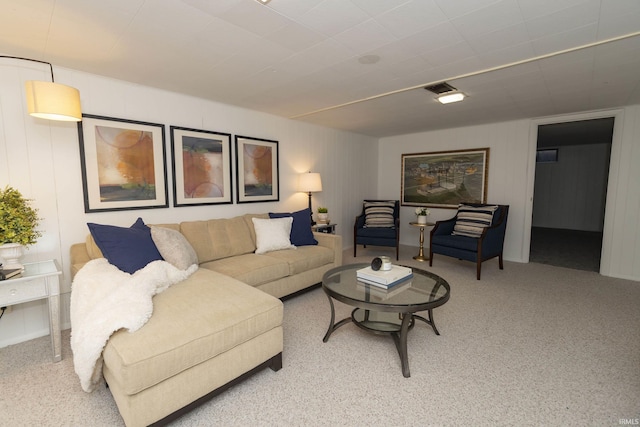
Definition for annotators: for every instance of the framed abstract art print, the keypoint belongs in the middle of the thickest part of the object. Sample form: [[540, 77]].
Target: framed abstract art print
[[256, 170], [201, 165], [123, 164]]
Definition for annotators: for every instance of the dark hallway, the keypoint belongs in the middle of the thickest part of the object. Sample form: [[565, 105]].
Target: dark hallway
[[572, 167]]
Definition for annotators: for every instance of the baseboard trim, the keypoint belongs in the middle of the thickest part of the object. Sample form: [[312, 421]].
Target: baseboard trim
[[22, 338]]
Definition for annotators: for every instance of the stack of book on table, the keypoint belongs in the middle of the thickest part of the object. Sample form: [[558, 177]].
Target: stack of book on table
[[8, 273], [384, 278], [384, 293]]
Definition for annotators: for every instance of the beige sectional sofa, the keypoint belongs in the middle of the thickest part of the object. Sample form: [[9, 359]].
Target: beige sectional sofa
[[218, 326]]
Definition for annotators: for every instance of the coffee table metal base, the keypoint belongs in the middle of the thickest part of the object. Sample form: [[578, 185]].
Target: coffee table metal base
[[387, 323]]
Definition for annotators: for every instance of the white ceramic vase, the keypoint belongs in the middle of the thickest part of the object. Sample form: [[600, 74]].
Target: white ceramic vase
[[422, 219], [10, 254], [323, 217]]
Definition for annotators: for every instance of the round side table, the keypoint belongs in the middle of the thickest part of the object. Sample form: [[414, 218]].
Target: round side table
[[420, 256]]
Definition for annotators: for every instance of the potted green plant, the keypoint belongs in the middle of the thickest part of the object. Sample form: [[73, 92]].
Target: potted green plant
[[18, 222], [323, 215], [422, 214]]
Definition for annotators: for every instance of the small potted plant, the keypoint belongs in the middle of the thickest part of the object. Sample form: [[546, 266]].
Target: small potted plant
[[323, 215], [422, 214], [18, 222]]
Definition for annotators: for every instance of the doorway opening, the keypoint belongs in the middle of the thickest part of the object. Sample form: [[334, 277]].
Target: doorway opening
[[572, 169]]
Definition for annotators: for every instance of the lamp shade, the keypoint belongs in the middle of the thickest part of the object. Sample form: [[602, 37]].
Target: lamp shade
[[53, 101], [309, 182]]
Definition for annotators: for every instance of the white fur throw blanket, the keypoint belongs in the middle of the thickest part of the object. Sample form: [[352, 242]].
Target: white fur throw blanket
[[105, 299]]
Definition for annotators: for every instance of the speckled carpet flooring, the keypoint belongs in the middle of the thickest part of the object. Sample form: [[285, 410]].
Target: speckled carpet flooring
[[531, 345]]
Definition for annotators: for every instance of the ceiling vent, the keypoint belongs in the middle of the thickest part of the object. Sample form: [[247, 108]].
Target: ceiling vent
[[439, 88]]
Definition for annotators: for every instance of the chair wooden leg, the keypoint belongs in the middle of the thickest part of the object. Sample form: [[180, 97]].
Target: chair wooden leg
[[430, 258], [355, 246], [500, 262], [479, 259]]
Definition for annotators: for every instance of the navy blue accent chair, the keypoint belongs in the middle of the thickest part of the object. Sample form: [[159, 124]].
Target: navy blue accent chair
[[377, 236], [488, 245]]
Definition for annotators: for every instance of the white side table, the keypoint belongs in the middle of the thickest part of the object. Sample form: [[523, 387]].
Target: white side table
[[38, 281]]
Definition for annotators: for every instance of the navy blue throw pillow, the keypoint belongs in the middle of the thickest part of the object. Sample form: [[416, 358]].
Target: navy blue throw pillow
[[301, 234], [129, 249]]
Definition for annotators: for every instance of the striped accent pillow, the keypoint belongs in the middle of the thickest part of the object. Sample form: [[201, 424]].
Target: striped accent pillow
[[472, 220], [379, 214]]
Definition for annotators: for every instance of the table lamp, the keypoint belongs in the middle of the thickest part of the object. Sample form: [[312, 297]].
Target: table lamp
[[310, 183]]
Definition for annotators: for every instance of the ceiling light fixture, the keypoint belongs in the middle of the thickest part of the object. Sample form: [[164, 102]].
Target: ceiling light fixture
[[446, 93], [451, 97], [51, 100], [264, 1]]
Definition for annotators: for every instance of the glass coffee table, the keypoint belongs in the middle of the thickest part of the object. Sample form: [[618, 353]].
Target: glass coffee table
[[387, 312]]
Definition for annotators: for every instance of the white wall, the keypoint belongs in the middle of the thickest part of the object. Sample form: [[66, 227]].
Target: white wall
[[41, 159], [570, 193], [511, 177]]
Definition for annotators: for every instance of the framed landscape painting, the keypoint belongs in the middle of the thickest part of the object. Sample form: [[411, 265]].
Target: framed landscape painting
[[201, 165], [256, 170], [446, 178], [123, 164]]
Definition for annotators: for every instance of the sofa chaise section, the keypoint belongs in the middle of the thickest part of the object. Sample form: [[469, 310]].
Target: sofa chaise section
[[228, 330]]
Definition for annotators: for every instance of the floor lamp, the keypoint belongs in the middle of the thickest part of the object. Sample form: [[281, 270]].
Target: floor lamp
[[310, 183], [51, 100]]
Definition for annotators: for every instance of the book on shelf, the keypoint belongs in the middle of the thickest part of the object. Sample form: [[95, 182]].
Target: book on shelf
[[384, 278], [8, 273]]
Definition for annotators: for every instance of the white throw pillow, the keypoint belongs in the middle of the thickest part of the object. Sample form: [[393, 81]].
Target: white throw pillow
[[174, 247], [272, 234]]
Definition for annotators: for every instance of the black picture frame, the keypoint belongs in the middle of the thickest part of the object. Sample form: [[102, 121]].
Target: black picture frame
[[123, 164], [257, 172], [444, 179], [201, 167]]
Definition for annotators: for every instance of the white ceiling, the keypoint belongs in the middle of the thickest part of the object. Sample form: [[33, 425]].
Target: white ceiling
[[300, 58]]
